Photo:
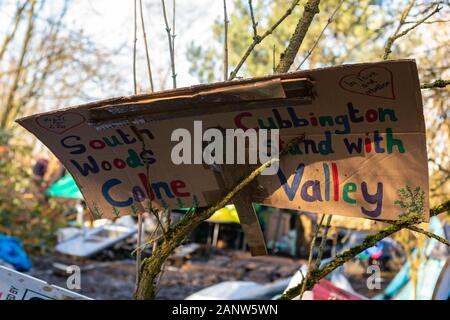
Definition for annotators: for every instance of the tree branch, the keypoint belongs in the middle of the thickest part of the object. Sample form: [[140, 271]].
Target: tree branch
[[397, 34], [369, 241], [254, 23], [151, 267], [288, 56], [429, 234], [147, 54], [225, 41], [171, 49], [311, 253], [323, 241], [258, 39], [12, 92], [329, 21], [435, 84], [134, 48], [10, 36]]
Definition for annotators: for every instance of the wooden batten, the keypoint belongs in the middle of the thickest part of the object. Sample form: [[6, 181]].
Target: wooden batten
[[204, 100]]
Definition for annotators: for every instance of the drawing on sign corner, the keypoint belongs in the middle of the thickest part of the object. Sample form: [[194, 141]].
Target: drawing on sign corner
[[371, 81], [60, 123]]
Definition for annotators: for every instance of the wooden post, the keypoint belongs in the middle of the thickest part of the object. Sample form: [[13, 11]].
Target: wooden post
[[228, 177]]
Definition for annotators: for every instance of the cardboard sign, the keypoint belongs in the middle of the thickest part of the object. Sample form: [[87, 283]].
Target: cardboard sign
[[18, 286], [363, 155]]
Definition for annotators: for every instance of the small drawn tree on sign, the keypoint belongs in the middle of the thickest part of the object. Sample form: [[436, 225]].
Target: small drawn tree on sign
[[134, 210], [98, 214], [116, 212], [412, 201]]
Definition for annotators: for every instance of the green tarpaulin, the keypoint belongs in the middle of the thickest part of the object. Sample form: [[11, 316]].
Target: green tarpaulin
[[65, 188]]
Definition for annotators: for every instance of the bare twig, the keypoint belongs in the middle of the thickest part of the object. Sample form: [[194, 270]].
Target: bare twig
[[10, 36], [428, 22], [138, 244], [225, 41], [273, 59], [17, 76], [139, 248], [147, 54], [254, 23], [174, 6], [397, 34], [258, 39], [429, 234], [435, 84], [171, 49], [288, 56], [330, 20], [311, 254], [323, 242], [37, 81], [134, 47]]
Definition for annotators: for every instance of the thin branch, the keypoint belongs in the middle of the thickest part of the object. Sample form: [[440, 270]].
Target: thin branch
[[368, 242], [418, 23], [311, 254], [428, 22], [174, 6], [435, 84], [139, 249], [23, 53], [440, 167], [288, 56], [443, 207], [10, 36], [273, 59], [173, 35], [148, 242], [420, 230], [429, 234], [403, 16], [254, 23], [258, 39], [329, 21], [323, 241], [158, 218], [140, 214], [53, 52], [147, 54], [397, 34], [134, 47], [171, 50], [225, 41]]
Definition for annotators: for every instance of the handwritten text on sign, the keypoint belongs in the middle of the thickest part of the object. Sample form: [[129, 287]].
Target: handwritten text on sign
[[363, 155]]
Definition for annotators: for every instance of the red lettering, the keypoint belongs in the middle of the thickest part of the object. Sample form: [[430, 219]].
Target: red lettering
[[175, 185]]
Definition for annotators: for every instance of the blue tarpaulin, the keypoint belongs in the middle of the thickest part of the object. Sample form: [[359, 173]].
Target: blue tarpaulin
[[11, 252]]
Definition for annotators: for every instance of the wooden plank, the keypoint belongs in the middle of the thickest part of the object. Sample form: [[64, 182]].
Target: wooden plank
[[229, 176], [254, 95]]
